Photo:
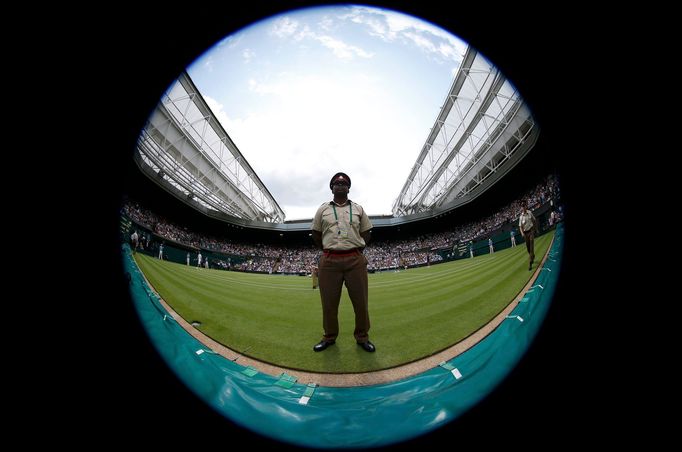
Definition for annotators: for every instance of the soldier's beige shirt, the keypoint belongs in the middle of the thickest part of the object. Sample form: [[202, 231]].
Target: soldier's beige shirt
[[341, 234]]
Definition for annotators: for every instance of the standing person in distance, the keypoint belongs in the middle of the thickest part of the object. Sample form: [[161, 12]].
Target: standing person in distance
[[314, 275], [528, 226], [341, 229], [133, 241]]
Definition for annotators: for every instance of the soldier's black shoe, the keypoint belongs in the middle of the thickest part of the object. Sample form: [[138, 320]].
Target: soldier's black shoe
[[367, 346], [322, 345]]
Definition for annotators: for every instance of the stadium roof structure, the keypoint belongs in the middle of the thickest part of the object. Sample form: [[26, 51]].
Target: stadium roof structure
[[484, 128], [192, 156]]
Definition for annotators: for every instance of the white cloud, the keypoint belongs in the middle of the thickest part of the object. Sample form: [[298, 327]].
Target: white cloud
[[298, 212], [230, 41], [284, 27], [287, 28], [450, 53], [421, 42], [326, 23], [296, 125], [341, 49], [389, 25], [315, 127], [378, 26], [208, 64], [248, 55], [304, 33]]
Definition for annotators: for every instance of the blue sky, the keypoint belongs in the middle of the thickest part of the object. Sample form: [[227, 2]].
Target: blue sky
[[316, 91]]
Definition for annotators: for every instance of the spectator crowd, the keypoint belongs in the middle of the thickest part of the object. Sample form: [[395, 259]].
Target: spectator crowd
[[381, 254]]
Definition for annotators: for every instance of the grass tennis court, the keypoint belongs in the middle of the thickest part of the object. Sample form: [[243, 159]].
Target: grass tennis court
[[278, 319]]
